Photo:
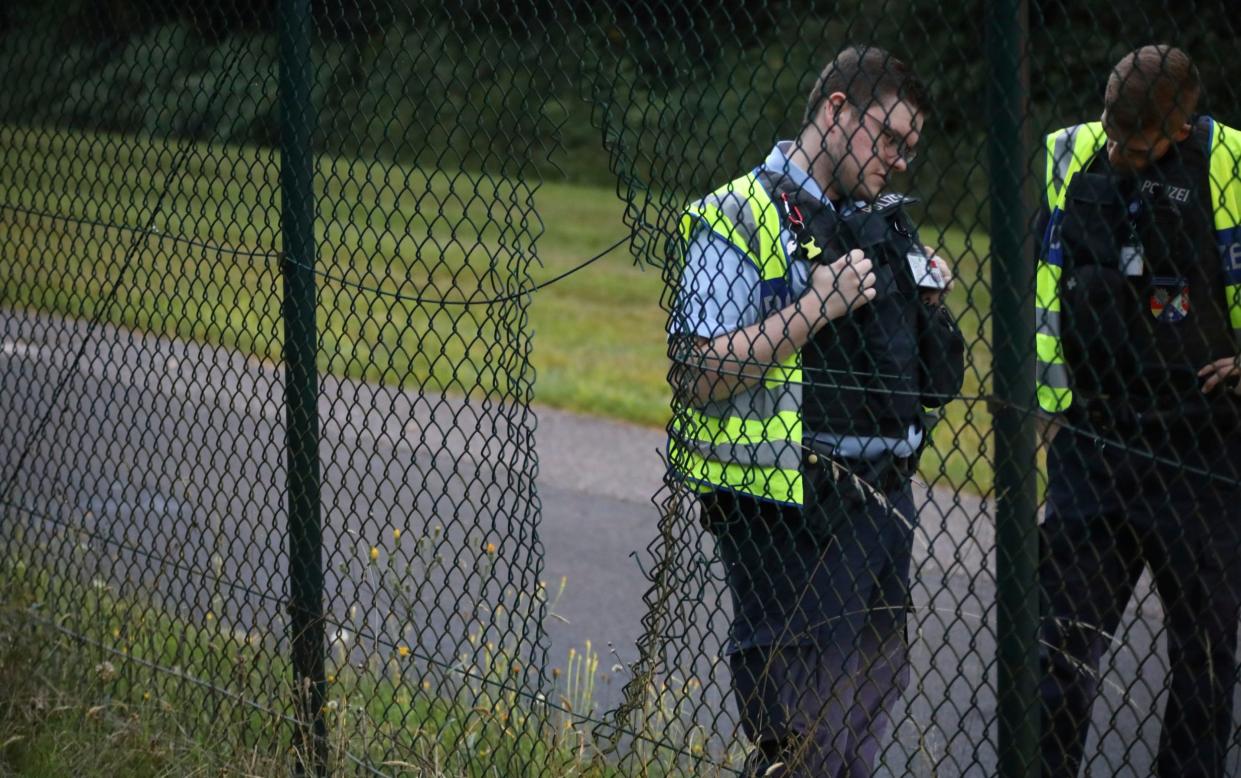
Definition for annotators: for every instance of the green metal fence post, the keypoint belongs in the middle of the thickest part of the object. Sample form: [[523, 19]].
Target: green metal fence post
[[1012, 276], [301, 384]]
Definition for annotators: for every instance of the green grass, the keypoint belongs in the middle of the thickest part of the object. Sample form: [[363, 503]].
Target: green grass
[[96, 705], [72, 708], [597, 343], [959, 457]]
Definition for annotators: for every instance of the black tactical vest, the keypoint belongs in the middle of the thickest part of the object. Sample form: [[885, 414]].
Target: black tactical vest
[[1142, 291], [864, 372]]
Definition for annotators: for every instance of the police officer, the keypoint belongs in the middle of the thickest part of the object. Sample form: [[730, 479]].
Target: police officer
[[1139, 301], [809, 336]]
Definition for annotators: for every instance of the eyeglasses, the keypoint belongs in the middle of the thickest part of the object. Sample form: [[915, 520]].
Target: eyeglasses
[[888, 137]]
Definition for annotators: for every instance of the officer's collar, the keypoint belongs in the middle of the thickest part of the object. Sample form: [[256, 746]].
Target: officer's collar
[[778, 163]]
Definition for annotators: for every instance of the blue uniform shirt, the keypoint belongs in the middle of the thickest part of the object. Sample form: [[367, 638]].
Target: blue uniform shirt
[[720, 293]]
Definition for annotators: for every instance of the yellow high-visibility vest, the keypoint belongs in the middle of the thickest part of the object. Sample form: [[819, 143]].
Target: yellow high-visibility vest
[[750, 442]]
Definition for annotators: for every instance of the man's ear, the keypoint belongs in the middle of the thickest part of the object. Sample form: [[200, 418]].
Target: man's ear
[[832, 104]]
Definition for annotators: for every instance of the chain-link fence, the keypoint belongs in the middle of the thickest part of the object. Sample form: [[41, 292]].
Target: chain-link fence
[[276, 278]]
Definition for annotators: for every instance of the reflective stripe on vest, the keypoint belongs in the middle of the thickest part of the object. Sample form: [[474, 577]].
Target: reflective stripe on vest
[[1225, 178], [751, 441], [1068, 151]]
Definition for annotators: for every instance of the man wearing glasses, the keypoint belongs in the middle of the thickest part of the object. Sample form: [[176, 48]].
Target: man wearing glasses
[[808, 336]]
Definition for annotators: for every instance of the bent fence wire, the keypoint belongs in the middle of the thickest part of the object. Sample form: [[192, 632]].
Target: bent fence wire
[[269, 461]]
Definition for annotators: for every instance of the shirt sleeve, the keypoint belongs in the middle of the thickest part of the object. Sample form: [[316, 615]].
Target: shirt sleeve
[[719, 289]]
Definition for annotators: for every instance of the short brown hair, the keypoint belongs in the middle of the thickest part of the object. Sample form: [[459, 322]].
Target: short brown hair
[[1154, 87], [866, 74]]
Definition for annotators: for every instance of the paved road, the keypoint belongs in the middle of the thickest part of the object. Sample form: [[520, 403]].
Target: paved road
[[163, 464]]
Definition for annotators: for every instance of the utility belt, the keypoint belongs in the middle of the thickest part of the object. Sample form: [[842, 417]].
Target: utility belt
[[1171, 418], [887, 427], [856, 480], [838, 490]]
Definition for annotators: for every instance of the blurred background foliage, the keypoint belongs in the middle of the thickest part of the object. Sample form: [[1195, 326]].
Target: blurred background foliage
[[671, 95]]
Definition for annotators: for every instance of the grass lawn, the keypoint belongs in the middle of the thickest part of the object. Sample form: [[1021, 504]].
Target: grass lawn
[[100, 679], [597, 336]]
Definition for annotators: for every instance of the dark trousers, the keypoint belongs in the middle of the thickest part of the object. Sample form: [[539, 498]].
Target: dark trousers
[[821, 710], [818, 650], [1112, 513]]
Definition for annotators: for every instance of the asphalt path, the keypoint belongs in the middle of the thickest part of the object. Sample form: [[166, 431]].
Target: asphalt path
[[163, 460]]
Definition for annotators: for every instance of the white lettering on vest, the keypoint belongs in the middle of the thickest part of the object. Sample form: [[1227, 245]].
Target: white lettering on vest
[[1230, 253], [1178, 194]]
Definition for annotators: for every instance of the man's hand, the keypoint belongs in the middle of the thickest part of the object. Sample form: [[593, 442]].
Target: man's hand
[[1221, 371], [845, 285], [1047, 427], [733, 361], [934, 260]]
